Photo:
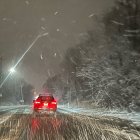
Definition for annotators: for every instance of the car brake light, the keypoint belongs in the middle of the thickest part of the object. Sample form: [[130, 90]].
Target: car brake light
[[37, 102], [53, 103]]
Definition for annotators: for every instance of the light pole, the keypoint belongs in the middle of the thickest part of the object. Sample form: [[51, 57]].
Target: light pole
[[1, 74], [21, 86], [12, 71]]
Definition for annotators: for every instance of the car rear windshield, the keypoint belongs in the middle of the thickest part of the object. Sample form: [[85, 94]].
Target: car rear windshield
[[46, 98]]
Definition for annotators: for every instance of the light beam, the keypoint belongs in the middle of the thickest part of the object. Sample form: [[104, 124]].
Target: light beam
[[28, 49]]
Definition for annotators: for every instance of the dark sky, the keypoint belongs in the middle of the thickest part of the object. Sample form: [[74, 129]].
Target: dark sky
[[65, 21]]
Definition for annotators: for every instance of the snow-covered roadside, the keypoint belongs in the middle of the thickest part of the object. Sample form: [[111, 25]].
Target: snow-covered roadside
[[7, 111], [133, 116], [4, 118], [12, 106]]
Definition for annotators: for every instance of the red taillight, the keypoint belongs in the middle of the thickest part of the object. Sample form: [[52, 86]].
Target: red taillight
[[53, 103], [37, 102]]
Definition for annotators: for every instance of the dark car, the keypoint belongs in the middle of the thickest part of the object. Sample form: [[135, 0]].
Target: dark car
[[44, 104]]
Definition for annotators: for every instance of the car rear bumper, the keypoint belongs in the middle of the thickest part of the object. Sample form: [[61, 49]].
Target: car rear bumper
[[46, 110]]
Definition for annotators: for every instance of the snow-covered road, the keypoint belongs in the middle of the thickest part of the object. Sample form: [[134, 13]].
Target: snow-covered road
[[133, 116], [70, 123], [26, 109]]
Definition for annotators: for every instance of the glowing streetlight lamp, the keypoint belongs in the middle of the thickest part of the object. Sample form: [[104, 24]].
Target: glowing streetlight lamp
[[12, 70]]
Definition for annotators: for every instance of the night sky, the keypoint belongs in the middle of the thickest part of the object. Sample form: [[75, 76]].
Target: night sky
[[65, 21]]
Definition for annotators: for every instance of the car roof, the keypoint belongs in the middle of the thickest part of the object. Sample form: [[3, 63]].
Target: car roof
[[46, 94]]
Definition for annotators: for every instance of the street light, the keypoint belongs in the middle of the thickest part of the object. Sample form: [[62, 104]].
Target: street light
[[12, 70]]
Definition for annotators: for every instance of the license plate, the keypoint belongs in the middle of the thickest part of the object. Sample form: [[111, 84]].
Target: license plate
[[45, 104]]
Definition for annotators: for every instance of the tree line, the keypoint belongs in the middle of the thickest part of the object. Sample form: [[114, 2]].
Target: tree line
[[104, 68]]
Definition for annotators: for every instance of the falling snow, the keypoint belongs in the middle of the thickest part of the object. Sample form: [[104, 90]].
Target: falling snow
[[43, 28], [42, 19], [55, 13], [93, 75], [27, 2], [91, 15], [5, 19], [57, 30], [118, 23], [54, 54], [41, 56]]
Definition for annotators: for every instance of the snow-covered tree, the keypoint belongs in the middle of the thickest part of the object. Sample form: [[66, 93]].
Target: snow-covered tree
[[124, 20]]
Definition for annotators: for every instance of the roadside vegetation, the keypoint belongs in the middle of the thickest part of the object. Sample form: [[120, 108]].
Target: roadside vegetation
[[104, 68]]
